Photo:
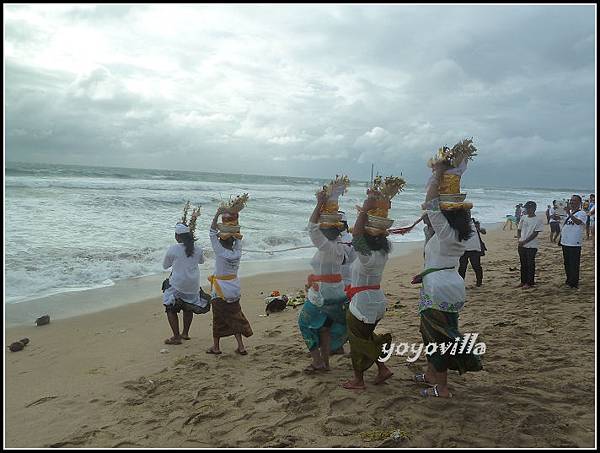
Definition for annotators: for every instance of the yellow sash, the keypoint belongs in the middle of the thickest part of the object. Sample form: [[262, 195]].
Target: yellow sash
[[214, 282]]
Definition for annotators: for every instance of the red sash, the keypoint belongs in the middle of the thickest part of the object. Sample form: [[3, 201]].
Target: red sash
[[351, 291]]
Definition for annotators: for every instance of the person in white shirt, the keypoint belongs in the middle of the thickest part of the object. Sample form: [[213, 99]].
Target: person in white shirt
[[529, 228], [443, 294], [228, 318], [322, 321], [572, 239], [367, 300], [473, 253], [554, 223], [183, 285]]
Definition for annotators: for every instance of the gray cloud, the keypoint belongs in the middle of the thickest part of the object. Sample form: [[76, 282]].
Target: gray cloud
[[305, 89]]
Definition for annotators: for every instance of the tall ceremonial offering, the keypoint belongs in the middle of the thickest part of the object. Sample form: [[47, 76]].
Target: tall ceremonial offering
[[191, 225], [456, 158], [230, 226], [330, 217], [382, 190]]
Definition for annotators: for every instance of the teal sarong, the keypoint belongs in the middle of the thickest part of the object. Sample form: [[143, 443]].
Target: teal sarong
[[332, 314]]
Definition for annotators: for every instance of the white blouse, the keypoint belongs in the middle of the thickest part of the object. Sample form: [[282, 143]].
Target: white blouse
[[327, 261], [349, 257], [185, 275], [227, 262], [442, 290], [369, 306]]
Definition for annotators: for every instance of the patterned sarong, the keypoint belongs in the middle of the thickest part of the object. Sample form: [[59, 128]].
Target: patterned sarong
[[442, 327]]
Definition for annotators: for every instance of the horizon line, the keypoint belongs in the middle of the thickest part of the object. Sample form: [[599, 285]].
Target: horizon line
[[279, 176]]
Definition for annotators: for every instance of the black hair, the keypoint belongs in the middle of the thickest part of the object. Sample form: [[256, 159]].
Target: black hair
[[460, 222], [378, 243], [331, 233], [188, 241], [575, 195], [228, 243]]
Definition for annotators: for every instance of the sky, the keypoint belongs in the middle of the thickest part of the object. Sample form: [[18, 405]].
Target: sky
[[305, 90]]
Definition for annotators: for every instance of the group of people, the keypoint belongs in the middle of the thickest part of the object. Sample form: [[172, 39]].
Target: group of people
[[182, 290], [345, 301], [566, 229]]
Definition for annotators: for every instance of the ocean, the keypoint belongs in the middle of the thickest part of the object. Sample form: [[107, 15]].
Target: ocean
[[73, 228]]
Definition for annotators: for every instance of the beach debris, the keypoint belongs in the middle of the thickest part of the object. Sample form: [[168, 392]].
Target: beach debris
[[164, 351], [43, 320], [297, 300], [122, 331], [276, 302]]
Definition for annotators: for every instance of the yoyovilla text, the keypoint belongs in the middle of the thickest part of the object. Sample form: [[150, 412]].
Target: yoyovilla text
[[464, 345]]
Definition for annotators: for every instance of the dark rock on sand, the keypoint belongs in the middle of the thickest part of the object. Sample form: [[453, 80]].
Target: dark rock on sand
[[43, 320]]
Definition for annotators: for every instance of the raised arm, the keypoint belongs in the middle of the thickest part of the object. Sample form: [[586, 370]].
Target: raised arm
[[434, 182], [321, 200]]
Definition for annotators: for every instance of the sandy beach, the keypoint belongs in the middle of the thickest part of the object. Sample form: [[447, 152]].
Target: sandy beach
[[100, 380]]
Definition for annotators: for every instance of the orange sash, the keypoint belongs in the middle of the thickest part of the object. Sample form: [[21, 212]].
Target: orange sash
[[330, 278]]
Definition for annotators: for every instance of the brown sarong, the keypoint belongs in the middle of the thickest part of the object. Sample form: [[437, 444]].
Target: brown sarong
[[228, 319]]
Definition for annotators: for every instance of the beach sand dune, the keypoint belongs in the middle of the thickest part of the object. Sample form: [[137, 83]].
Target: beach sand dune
[[100, 380]]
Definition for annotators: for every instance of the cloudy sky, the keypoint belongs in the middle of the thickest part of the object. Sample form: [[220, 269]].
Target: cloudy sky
[[305, 90]]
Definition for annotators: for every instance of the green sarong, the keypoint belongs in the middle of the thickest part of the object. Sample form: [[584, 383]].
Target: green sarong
[[365, 346]]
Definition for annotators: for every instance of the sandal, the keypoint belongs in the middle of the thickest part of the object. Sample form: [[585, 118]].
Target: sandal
[[212, 351], [420, 379], [434, 392], [172, 341]]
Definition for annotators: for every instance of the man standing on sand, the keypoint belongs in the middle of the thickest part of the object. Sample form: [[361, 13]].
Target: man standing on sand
[[527, 232], [572, 239]]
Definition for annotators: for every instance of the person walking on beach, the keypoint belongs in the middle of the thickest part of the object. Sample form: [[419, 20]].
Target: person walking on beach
[[226, 240], [367, 301], [442, 295], [181, 291], [554, 222], [510, 220], [473, 253], [345, 239], [322, 321], [548, 215], [529, 228], [572, 239]]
